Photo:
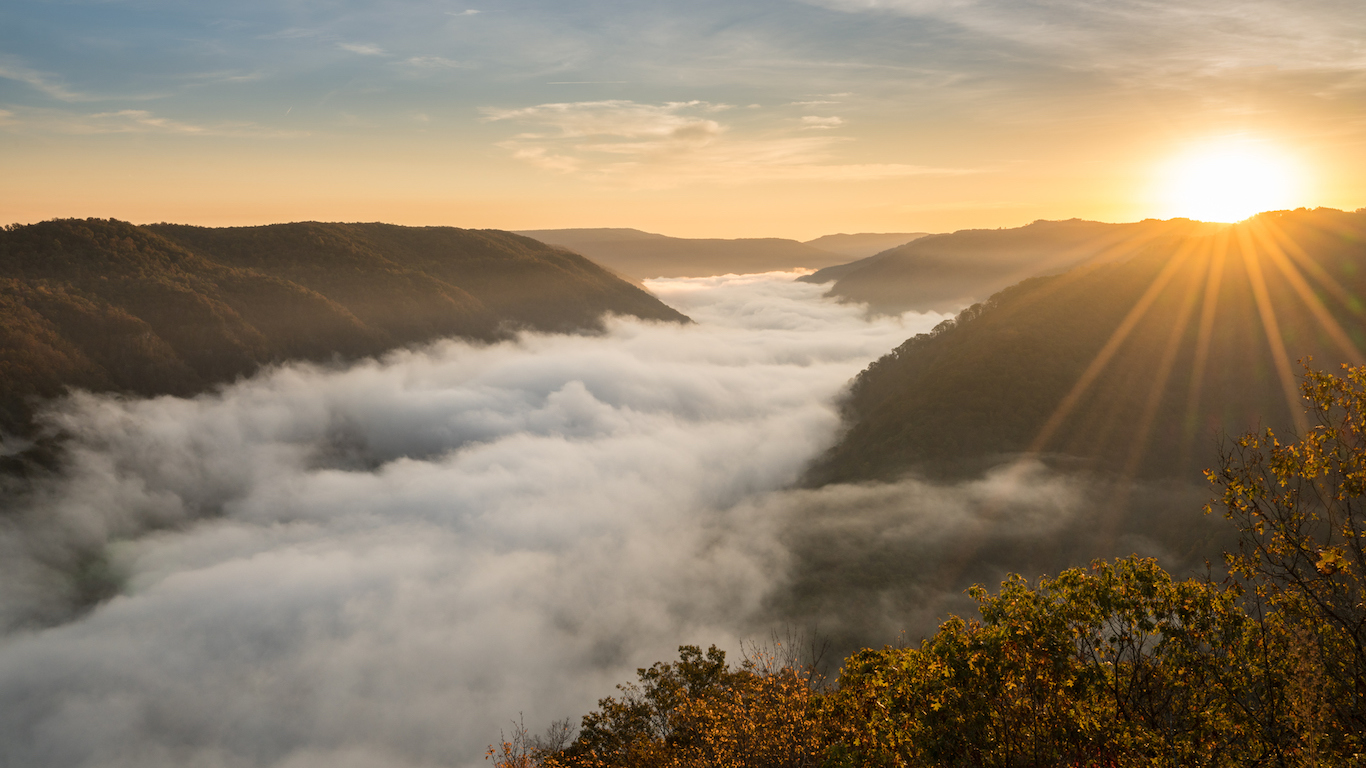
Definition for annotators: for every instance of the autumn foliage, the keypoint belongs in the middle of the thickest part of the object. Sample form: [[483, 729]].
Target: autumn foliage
[[1118, 664]]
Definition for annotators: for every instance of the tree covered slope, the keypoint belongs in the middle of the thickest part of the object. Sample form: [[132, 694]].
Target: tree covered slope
[[171, 309], [1137, 365]]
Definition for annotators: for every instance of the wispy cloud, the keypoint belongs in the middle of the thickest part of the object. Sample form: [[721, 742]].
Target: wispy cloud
[[48, 84], [130, 121], [542, 157], [812, 121], [565, 133], [626, 119], [663, 145], [364, 49], [778, 158], [140, 120], [466, 12], [437, 62], [1175, 37], [228, 76]]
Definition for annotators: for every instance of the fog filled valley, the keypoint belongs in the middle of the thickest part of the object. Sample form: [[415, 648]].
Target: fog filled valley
[[390, 560], [337, 556], [387, 561]]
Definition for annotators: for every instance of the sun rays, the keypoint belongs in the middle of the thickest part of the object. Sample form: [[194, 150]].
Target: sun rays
[[1214, 275], [1211, 299], [1102, 358]]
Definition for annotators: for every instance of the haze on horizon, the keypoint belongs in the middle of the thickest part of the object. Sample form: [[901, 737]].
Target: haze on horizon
[[794, 118]]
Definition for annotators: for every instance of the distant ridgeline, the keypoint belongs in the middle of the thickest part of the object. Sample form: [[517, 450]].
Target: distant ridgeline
[[1135, 364], [171, 309], [644, 255], [948, 272]]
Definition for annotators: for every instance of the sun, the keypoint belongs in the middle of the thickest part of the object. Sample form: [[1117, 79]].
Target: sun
[[1229, 180]]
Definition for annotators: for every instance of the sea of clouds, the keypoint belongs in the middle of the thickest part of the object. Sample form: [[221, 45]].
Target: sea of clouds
[[383, 564]]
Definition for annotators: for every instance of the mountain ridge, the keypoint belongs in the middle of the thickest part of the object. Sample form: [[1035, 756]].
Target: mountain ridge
[[947, 272], [863, 244], [644, 255], [108, 306], [1135, 364]]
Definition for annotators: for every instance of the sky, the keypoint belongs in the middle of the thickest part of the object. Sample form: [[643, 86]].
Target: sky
[[788, 118]]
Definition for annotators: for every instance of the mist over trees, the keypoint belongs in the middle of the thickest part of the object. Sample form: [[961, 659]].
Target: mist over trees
[[1068, 418], [169, 309]]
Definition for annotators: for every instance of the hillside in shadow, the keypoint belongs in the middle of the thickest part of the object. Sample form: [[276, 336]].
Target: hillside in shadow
[[108, 306]]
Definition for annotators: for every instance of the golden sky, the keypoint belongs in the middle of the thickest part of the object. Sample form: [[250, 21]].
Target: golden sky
[[725, 119]]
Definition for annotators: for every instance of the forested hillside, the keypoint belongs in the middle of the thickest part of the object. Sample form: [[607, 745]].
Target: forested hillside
[[170, 309], [1135, 365], [426, 281], [950, 271]]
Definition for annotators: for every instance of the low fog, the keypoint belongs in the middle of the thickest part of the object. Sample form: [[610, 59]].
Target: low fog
[[383, 564]]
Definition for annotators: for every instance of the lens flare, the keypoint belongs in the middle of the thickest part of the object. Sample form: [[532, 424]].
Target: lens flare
[[1230, 180]]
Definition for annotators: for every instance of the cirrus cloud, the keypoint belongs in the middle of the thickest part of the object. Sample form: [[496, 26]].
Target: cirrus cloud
[[129, 121], [364, 49], [661, 145], [1156, 40], [820, 123]]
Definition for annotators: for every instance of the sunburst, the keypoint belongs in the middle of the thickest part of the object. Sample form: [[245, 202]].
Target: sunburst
[[1262, 257], [1228, 180]]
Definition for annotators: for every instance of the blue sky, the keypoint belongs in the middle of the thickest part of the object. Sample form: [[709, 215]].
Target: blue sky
[[773, 117]]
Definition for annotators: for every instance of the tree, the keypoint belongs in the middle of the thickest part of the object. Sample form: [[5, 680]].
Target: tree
[[1300, 508], [698, 711], [1118, 663]]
